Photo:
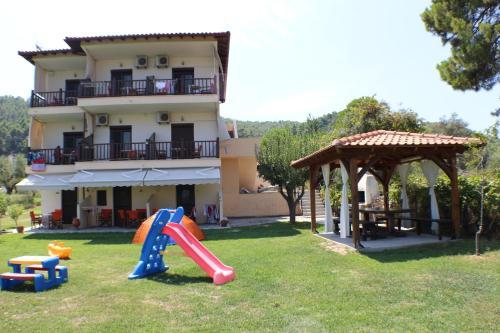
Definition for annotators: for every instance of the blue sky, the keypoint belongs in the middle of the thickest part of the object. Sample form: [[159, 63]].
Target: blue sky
[[288, 59]]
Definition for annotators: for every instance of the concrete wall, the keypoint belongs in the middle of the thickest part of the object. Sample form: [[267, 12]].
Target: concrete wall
[[56, 80], [144, 124], [51, 200], [53, 132], [243, 205], [203, 67]]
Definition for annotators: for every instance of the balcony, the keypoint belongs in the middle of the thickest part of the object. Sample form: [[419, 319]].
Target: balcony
[[119, 88], [53, 98], [126, 152]]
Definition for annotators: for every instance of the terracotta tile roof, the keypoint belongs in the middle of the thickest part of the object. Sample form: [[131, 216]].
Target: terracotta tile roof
[[393, 138], [383, 139], [29, 55]]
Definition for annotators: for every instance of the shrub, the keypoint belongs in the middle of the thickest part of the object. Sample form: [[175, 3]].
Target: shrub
[[14, 211], [4, 203]]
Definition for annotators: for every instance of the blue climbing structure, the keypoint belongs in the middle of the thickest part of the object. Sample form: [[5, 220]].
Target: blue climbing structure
[[151, 261]]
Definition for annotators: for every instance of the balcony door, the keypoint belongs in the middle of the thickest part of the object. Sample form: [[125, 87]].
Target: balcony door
[[182, 140], [184, 79], [120, 139], [71, 88], [71, 143], [121, 82]]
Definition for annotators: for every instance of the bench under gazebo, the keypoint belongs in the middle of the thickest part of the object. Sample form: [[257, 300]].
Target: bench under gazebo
[[382, 153]]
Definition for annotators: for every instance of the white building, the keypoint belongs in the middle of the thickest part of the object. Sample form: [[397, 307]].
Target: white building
[[132, 122], [128, 122]]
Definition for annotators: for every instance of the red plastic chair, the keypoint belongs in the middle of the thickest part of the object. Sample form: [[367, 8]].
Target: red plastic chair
[[105, 216], [35, 219], [133, 217], [122, 217], [56, 219], [141, 213]]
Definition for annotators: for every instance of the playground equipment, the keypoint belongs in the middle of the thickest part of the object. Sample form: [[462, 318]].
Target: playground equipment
[[165, 228], [33, 264], [143, 230], [57, 249]]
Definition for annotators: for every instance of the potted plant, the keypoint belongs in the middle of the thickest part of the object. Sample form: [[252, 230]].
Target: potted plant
[[76, 222], [14, 212]]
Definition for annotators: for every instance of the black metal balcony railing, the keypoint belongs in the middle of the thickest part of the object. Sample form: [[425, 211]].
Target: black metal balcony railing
[[53, 98], [54, 156], [126, 151], [116, 88]]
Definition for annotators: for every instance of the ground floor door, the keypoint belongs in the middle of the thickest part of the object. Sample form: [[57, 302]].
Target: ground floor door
[[122, 200], [69, 199], [185, 198]]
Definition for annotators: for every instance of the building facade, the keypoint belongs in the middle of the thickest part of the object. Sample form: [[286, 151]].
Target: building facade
[[133, 122]]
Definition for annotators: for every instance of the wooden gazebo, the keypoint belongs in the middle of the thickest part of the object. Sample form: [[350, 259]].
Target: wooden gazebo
[[380, 152]]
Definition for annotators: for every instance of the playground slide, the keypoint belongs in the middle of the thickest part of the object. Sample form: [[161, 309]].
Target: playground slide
[[219, 272]]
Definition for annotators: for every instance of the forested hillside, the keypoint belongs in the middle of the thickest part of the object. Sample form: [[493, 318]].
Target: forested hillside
[[258, 128], [14, 123]]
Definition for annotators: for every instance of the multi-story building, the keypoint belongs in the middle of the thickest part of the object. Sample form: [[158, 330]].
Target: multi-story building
[[132, 122]]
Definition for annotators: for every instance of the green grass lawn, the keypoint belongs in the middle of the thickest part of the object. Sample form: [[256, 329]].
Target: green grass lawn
[[25, 220], [287, 280]]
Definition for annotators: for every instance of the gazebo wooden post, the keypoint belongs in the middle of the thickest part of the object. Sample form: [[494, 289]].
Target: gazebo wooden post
[[455, 197], [385, 184], [313, 178], [353, 179]]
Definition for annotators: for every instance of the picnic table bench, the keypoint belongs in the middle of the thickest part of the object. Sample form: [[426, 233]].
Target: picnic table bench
[[34, 263]]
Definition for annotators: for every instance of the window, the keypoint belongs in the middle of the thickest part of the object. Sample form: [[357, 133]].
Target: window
[[101, 198]]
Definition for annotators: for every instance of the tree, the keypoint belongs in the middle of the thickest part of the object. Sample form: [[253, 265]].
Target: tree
[[367, 114], [14, 124], [14, 212], [472, 29], [278, 148], [11, 171], [454, 126]]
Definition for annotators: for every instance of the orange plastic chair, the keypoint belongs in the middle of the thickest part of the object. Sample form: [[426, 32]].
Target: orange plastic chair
[[105, 216], [133, 217], [35, 219], [56, 219], [122, 217]]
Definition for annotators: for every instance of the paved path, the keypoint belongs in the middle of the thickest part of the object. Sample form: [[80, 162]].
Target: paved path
[[233, 223]]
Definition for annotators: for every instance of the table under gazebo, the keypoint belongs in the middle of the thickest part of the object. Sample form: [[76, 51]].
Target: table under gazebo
[[382, 153]]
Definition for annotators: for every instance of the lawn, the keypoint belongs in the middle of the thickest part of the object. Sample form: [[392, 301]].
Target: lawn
[[287, 280], [25, 219]]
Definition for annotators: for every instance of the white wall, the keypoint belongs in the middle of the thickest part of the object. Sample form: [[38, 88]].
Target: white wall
[[144, 124], [55, 80], [53, 132], [203, 67], [51, 200]]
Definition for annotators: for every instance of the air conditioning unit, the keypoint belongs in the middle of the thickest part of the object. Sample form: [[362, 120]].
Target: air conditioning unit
[[141, 61], [161, 61], [102, 119], [162, 117]]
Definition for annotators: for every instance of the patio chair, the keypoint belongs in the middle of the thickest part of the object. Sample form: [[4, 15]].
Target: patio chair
[[56, 219], [142, 213], [105, 217], [133, 218], [35, 219], [122, 217]]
